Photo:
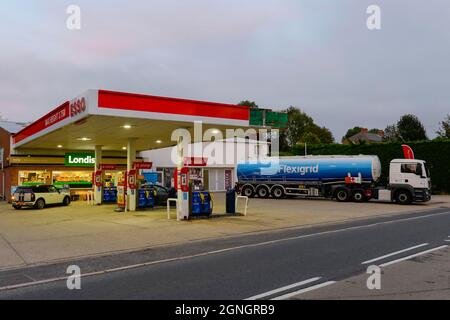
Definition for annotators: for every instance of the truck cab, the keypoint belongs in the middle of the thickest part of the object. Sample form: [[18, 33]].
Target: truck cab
[[409, 181]]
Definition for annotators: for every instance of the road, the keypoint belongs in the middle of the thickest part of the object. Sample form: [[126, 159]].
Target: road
[[276, 265]]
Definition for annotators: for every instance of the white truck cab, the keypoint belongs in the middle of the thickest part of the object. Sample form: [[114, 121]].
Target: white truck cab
[[409, 181]]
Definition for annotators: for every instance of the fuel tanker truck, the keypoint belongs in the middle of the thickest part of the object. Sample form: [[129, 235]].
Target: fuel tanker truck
[[344, 178]]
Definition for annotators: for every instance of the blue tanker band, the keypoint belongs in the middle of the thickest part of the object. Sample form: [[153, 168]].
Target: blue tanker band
[[319, 169]]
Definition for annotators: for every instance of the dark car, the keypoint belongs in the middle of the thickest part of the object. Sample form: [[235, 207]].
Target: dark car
[[161, 193]]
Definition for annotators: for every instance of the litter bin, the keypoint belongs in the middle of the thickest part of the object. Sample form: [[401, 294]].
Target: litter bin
[[230, 201]]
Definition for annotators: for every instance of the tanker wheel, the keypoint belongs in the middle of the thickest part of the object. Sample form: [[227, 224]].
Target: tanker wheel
[[403, 197], [342, 194], [248, 191], [359, 196], [278, 193], [263, 192]]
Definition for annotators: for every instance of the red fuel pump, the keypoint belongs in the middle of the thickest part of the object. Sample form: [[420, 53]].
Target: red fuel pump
[[98, 178]]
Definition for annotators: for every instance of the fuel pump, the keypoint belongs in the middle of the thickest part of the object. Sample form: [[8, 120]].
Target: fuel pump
[[183, 193], [121, 194], [98, 186], [131, 184]]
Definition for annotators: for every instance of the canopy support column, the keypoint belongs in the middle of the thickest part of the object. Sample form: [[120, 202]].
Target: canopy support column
[[98, 189]]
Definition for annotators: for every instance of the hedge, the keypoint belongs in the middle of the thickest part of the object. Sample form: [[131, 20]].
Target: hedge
[[436, 153]]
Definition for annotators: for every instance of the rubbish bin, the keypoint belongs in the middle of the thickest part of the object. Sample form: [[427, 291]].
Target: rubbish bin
[[230, 201]]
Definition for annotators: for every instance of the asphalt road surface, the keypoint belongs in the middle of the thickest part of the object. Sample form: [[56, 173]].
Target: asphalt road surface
[[273, 267]]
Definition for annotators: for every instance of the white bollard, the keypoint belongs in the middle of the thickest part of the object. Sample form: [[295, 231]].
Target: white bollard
[[246, 203], [168, 206]]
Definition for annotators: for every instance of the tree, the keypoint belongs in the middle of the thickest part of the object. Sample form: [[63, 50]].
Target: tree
[[324, 134], [444, 129], [248, 103], [309, 138], [299, 123], [410, 128], [391, 133]]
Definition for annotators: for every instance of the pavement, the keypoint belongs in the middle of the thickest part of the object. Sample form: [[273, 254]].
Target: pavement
[[35, 237], [282, 264]]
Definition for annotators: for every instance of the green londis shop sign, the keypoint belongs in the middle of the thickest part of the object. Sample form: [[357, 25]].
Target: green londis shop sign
[[79, 159]]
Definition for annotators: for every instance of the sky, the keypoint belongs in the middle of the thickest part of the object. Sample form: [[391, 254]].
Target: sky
[[317, 55]]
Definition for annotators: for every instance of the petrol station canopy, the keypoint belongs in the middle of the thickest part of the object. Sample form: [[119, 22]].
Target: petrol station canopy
[[109, 119]]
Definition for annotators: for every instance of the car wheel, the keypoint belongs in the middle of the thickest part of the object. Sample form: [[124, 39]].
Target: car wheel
[[342, 194], [403, 197], [263, 192], [66, 201], [248, 191], [278, 192], [40, 204], [17, 207], [359, 196]]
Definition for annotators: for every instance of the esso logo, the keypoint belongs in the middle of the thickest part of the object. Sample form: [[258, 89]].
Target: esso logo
[[77, 107]]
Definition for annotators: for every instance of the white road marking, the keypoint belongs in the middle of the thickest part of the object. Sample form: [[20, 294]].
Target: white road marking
[[412, 256], [269, 293], [27, 284], [295, 293], [394, 253]]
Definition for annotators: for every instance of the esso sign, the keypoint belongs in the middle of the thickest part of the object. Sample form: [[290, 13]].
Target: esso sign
[[77, 107]]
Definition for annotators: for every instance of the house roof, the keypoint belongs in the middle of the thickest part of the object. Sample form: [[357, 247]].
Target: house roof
[[366, 136], [11, 126]]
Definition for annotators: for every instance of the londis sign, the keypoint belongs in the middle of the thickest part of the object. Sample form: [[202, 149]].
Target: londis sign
[[79, 159]]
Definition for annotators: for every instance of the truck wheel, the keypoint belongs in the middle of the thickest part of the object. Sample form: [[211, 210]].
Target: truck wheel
[[66, 201], [248, 191], [403, 197], [359, 196], [40, 204], [17, 207], [342, 194], [278, 193], [263, 191]]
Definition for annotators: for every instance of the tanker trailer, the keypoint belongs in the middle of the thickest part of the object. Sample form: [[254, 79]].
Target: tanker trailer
[[343, 178]]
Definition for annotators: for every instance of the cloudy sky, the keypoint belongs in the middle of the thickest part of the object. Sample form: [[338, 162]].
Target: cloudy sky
[[314, 54]]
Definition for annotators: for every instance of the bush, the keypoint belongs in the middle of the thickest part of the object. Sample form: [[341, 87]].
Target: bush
[[436, 153]]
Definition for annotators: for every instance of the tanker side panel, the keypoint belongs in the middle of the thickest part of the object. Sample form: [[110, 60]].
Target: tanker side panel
[[304, 170]]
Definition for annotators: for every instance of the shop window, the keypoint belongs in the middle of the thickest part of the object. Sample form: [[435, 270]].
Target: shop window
[[32, 178], [74, 179]]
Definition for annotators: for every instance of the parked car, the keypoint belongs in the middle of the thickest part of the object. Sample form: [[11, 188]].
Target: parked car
[[161, 193], [39, 196]]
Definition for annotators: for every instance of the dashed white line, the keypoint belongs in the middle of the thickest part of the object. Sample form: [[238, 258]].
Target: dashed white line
[[295, 293], [412, 256], [269, 293], [394, 253]]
